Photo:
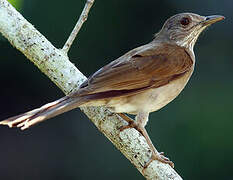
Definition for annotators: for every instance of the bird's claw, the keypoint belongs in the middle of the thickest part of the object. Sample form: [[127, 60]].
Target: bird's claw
[[160, 157]]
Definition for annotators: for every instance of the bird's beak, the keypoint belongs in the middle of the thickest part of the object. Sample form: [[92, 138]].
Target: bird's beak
[[212, 19]]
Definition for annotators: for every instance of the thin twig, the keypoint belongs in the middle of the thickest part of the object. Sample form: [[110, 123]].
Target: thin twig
[[56, 65], [81, 20]]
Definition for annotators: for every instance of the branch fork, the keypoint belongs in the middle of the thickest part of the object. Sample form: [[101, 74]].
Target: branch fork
[[55, 64]]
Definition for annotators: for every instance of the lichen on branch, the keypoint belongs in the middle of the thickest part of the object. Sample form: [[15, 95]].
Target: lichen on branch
[[56, 65]]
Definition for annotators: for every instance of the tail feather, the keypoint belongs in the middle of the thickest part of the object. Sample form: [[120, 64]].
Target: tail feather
[[43, 113]]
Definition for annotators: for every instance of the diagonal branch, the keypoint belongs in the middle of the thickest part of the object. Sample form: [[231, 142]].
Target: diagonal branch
[[81, 20], [56, 65]]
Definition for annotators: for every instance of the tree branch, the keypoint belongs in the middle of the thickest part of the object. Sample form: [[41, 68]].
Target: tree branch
[[82, 19], [56, 65]]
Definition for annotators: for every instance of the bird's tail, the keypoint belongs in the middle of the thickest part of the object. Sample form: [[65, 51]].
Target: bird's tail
[[43, 113]]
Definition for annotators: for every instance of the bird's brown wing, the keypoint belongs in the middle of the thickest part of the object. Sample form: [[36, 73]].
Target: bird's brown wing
[[135, 71]]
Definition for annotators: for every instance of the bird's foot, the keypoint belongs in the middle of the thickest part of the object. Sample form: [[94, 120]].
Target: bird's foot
[[131, 123], [159, 157], [155, 154]]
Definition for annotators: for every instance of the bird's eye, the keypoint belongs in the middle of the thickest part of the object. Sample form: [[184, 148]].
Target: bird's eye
[[185, 21]]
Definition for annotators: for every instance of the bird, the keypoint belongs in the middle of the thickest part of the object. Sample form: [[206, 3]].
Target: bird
[[141, 81]]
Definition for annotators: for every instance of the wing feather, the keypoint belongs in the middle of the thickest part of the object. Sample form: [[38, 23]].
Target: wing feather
[[152, 67]]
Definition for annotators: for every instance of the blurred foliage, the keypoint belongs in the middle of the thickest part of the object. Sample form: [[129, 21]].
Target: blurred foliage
[[195, 130], [17, 4]]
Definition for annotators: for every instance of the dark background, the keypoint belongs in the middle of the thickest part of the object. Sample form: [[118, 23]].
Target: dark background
[[195, 130]]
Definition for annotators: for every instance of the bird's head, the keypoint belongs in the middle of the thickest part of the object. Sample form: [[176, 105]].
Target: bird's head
[[183, 29]]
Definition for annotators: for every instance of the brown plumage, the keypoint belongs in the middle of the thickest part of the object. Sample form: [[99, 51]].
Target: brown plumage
[[150, 68], [142, 81]]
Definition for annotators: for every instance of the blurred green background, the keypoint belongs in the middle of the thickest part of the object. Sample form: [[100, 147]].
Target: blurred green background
[[195, 130]]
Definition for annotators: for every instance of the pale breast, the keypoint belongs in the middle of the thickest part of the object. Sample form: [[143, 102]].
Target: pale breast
[[152, 99]]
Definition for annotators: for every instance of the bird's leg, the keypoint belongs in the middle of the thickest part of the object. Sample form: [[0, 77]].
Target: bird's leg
[[141, 121], [131, 122], [139, 124]]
